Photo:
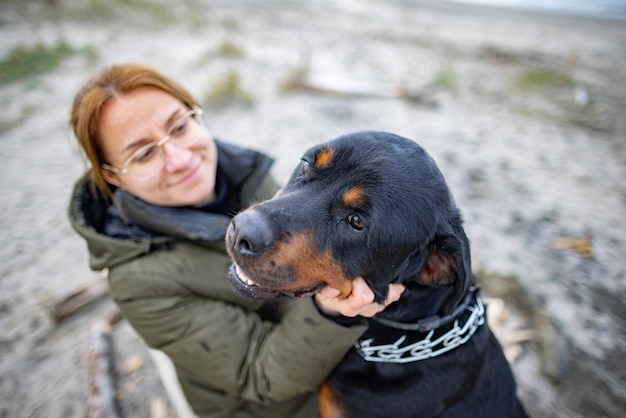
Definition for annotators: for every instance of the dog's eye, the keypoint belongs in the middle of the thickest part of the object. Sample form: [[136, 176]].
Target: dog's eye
[[304, 168], [356, 222]]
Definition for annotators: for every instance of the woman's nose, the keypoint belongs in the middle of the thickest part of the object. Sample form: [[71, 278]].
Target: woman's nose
[[176, 158]]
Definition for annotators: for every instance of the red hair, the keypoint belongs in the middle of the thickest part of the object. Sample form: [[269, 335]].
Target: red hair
[[113, 81]]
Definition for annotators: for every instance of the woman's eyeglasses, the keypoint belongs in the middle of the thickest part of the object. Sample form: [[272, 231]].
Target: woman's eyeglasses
[[149, 160]]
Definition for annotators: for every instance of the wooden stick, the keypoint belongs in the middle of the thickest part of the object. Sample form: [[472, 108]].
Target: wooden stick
[[101, 400], [350, 88], [582, 245], [78, 300]]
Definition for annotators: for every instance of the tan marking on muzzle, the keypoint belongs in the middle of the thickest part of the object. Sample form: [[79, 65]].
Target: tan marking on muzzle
[[311, 267]]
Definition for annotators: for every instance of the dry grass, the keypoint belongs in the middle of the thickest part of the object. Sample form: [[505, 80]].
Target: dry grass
[[23, 61]]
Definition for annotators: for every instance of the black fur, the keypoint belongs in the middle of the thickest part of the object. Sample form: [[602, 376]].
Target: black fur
[[406, 229]]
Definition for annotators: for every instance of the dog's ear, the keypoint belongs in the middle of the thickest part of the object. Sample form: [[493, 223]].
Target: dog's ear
[[448, 264]]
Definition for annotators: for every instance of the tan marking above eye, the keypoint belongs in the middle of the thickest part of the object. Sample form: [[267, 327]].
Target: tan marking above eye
[[324, 157], [355, 198]]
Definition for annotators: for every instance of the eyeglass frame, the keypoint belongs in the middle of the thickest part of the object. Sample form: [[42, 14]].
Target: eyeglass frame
[[195, 112]]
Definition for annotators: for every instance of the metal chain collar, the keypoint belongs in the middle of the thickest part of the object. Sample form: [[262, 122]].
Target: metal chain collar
[[426, 348]]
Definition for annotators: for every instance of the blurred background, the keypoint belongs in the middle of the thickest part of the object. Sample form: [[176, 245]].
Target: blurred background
[[521, 103]]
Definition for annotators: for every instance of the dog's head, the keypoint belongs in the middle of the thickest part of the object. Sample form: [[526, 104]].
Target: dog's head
[[368, 204]]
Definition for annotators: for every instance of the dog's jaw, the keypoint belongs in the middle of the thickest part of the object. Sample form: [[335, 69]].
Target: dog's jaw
[[268, 265], [245, 286]]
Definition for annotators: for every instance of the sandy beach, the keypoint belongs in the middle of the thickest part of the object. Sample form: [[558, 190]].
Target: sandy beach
[[523, 112]]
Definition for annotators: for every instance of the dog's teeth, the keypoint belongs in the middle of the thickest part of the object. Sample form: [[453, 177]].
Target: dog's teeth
[[244, 278]]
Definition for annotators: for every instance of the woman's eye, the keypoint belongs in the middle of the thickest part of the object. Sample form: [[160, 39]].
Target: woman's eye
[[178, 129], [145, 155], [356, 222]]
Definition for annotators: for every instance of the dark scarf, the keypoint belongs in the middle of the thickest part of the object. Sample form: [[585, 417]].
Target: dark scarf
[[239, 172]]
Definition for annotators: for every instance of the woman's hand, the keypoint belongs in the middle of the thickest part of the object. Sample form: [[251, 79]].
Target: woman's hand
[[359, 302]]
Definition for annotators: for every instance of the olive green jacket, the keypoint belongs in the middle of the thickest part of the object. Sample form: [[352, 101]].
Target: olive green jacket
[[234, 357]]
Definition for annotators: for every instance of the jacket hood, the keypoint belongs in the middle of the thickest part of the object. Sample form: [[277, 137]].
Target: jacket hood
[[118, 233]]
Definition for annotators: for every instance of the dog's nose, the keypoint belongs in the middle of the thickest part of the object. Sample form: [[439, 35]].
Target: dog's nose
[[250, 235]]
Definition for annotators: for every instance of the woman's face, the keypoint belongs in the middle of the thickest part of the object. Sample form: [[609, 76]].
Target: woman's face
[[144, 116]]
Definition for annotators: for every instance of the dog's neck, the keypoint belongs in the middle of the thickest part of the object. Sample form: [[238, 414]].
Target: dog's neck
[[419, 302], [406, 340]]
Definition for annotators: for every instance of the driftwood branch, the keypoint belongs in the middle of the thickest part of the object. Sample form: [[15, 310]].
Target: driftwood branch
[[99, 359], [346, 87], [71, 304]]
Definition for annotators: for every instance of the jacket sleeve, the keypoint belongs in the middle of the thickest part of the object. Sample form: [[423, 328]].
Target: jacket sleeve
[[219, 339]]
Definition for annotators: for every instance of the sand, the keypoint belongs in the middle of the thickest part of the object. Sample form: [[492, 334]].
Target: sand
[[529, 162]]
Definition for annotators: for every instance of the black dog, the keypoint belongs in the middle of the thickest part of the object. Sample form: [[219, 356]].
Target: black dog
[[375, 205]]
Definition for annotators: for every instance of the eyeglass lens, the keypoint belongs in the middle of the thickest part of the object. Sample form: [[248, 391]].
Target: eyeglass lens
[[149, 159]]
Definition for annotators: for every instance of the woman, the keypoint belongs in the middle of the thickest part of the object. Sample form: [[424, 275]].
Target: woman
[[154, 208]]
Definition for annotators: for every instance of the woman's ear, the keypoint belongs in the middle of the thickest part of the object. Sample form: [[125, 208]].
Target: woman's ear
[[110, 177]]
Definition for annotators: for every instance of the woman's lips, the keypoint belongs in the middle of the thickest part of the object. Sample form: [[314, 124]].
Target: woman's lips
[[190, 175]]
